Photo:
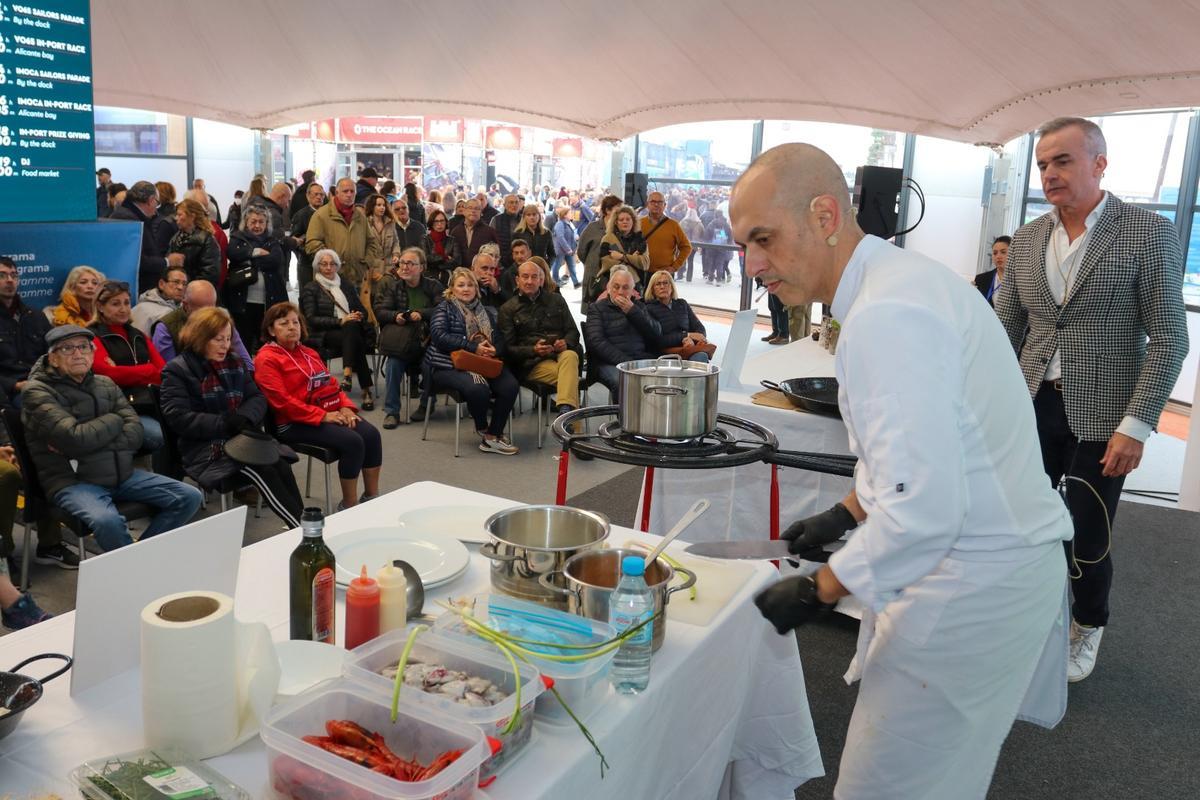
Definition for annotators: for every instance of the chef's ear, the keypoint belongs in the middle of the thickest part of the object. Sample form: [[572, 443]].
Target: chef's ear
[[827, 215]]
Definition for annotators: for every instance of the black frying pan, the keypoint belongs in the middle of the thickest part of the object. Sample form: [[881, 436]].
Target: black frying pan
[[19, 692], [818, 395]]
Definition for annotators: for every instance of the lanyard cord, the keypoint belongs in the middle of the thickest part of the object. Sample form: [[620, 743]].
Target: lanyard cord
[[307, 360]]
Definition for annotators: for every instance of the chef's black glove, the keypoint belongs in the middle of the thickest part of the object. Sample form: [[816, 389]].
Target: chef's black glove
[[790, 603], [806, 537]]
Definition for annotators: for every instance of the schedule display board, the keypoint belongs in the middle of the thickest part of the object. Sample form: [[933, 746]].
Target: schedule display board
[[47, 151]]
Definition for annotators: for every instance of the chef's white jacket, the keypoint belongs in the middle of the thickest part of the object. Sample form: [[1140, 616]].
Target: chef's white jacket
[[941, 421]]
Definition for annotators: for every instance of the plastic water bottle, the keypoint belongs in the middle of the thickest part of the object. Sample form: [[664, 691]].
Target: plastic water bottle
[[631, 603]]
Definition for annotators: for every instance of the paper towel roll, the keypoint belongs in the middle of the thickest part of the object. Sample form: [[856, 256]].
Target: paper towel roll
[[207, 679]]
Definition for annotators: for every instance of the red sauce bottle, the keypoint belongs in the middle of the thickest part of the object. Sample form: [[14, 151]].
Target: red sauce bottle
[[362, 610]]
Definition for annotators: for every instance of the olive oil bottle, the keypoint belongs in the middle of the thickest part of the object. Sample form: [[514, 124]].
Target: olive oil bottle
[[312, 582]]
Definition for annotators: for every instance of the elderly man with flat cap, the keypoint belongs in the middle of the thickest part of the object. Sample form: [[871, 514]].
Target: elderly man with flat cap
[[83, 436], [955, 544]]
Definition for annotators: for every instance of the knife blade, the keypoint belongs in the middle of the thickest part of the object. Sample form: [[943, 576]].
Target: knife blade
[[754, 550]]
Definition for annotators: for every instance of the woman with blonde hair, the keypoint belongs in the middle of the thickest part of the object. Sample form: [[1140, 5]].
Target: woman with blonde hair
[[77, 300], [201, 254], [533, 230], [623, 245], [681, 328]]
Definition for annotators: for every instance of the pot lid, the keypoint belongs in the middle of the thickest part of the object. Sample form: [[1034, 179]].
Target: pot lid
[[669, 367]]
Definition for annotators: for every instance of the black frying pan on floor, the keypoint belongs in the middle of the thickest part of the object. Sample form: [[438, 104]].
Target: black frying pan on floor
[[18, 692], [818, 395]]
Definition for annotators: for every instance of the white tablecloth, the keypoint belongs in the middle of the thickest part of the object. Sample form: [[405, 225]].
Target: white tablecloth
[[741, 497], [728, 697]]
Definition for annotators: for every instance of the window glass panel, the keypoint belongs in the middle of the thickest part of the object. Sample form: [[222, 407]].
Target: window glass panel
[[699, 151], [851, 146], [127, 130]]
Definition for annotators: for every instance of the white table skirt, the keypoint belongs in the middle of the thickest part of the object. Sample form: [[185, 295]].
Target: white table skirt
[[726, 702]]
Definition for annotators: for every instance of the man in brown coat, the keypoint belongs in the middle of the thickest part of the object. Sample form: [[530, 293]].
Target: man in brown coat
[[341, 226], [666, 243]]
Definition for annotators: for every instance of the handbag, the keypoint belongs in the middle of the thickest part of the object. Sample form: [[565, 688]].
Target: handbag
[[324, 392], [241, 275], [401, 341], [467, 361], [688, 350]]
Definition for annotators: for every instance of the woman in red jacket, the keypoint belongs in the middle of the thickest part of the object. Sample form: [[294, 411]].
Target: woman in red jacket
[[310, 406], [127, 355]]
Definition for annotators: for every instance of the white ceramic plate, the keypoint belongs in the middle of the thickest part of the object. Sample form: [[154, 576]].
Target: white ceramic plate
[[436, 558], [464, 522], [304, 664]]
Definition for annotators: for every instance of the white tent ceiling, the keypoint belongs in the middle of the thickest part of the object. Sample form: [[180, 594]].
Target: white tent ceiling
[[969, 70]]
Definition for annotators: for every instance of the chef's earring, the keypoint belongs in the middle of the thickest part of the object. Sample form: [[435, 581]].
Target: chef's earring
[[831, 240]]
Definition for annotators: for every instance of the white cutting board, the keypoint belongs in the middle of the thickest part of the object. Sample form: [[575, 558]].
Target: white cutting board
[[716, 583]]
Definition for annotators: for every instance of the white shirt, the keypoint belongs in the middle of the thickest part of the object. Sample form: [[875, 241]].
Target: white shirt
[[940, 418], [1063, 259]]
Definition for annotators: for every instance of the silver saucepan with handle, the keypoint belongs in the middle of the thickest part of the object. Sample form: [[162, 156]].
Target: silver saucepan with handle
[[528, 542], [667, 397]]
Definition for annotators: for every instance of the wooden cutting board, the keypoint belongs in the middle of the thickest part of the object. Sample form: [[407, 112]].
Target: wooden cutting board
[[716, 584], [773, 398]]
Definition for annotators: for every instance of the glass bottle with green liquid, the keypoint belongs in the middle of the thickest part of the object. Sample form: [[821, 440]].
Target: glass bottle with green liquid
[[312, 582]]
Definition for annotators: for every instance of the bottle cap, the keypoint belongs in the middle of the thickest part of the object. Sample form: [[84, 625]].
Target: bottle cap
[[363, 586], [633, 565]]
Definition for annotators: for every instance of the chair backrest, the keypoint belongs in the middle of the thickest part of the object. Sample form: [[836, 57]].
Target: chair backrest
[[35, 495]]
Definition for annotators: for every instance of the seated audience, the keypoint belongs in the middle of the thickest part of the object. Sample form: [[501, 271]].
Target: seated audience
[[208, 397], [618, 329], [405, 301], [257, 276], [988, 283], [154, 304], [22, 335], [441, 250], [464, 322], [50, 548], [680, 325], [83, 435], [127, 356], [17, 610], [624, 246], [485, 267], [311, 408], [541, 337], [336, 317], [77, 300], [164, 334], [194, 247]]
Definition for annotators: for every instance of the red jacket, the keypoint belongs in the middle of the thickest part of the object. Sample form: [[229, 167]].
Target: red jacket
[[283, 377], [138, 363]]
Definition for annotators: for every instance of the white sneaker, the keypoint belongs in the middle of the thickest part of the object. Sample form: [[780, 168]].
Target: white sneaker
[[1084, 645], [499, 446]]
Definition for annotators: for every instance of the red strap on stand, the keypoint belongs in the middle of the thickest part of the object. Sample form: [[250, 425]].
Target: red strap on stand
[[647, 494]]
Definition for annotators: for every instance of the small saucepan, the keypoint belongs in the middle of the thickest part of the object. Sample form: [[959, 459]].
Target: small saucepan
[[18, 692]]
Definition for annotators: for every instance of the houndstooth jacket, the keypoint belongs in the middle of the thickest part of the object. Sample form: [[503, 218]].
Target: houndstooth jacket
[[1129, 287]]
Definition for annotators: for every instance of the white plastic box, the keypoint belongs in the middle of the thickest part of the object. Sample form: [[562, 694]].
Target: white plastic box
[[582, 684], [475, 658], [418, 732]]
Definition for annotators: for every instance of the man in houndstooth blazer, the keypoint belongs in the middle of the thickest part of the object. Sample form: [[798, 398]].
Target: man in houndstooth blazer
[[1093, 304]]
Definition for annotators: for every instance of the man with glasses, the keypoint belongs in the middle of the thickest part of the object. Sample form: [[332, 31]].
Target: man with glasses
[[141, 205], [409, 232], [154, 304], [315, 197], [403, 305], [164, 333], [83, 434], [666, 243]]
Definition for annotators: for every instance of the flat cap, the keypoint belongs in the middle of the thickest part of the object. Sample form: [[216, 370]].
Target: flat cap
[[62, 332]]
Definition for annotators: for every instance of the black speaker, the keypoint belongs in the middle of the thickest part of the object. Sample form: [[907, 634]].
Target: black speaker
[[636, 184], [877, 198]]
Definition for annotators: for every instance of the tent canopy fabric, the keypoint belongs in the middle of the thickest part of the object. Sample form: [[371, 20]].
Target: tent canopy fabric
[[968, 70]]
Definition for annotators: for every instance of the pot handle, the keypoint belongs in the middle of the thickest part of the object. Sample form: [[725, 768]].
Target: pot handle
[[673, 357], [52, 675], [664, 388], [488, 550], [689, 583], [771, 385], [545, 579]]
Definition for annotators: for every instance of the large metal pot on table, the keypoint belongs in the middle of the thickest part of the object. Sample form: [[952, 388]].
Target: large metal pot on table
[[667, 397], [592, 577], [528, 542]]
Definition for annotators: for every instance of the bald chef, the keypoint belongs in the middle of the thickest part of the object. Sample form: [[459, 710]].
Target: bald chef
[[956, 549]]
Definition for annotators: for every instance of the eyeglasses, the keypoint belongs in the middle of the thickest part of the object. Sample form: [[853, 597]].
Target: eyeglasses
[[8, 276], [176, 282], [405, 263], [71, 349]]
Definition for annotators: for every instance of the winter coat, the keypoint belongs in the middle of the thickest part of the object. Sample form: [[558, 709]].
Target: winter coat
[[392, 299], [525, 321], [504, 223], [438, 267], [363, 190], [201, 431], [22, 342], [151, 306], [634, 248], [482, 234], [566, 240], [613, 337], [89, 422], [136, 364], [201, 255], [416, 212], [165, 333], [357, 250], [318, 308], [412, 236], [541, 243], [271, 269], [676, 320], [387, 243], [448, 332], [153, 259], [589, 253], [285, 383]]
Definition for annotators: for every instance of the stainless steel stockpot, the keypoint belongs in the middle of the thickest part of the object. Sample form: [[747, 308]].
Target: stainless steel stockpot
[[667, 397], [530, 541]]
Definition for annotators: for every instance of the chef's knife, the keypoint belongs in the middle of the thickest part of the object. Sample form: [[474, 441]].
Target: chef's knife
[[754, 550]]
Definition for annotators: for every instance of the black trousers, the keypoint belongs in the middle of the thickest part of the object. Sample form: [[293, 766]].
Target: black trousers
[[350, 341], [1063, 454]]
